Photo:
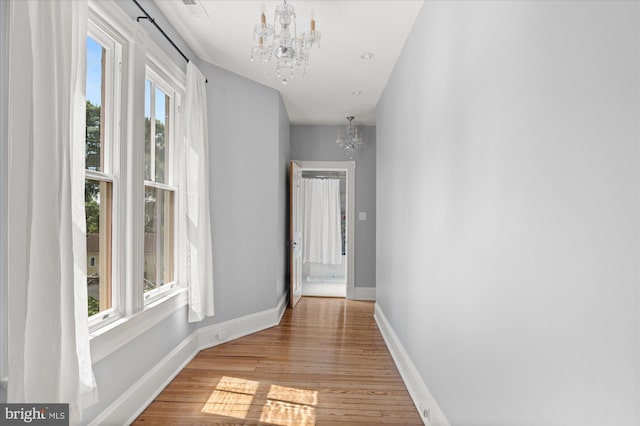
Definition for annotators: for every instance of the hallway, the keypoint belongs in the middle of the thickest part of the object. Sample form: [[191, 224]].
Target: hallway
[[326, 363]]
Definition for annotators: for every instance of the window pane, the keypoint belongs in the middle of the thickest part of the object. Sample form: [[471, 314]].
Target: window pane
[[147, 130], [97, 197], [158, 238], [162, 136], [94, 112]]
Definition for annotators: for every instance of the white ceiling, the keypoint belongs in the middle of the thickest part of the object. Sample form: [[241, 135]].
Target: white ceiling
[[220, 33]]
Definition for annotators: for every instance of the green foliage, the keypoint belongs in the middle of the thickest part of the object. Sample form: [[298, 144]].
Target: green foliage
[[150, 210], [159, 150], [93, 305], [92, 162], [92, 212], [92, 146], [152, 206]]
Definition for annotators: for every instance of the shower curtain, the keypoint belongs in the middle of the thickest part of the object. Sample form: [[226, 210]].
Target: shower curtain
[[321, 231]]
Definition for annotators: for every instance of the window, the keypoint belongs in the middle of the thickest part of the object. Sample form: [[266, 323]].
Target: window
[[99, 177], [131, 186], [159, 193]]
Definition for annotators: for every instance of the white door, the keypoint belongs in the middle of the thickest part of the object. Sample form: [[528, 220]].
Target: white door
[[295, 233]]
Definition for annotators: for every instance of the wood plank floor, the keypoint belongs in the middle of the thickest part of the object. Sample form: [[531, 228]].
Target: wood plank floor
[[325, 364]]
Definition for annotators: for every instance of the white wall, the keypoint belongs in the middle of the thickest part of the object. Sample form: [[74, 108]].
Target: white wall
[[508, 213], [317, 143]]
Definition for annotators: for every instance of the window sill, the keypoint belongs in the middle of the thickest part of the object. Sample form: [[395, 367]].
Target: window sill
[[115, 335]]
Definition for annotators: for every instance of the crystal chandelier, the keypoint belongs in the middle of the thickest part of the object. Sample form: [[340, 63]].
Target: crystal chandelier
[[281, 52], [350, 139]]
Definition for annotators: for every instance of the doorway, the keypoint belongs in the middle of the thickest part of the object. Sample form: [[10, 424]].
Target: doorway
[[322, 273]]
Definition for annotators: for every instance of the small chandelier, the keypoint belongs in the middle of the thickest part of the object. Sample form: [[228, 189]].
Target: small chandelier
[[350, 139], [281, 52]]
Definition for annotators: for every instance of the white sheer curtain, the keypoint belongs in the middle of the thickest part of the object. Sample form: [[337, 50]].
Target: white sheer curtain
[[199, 246], [49, 358], [322, 221]]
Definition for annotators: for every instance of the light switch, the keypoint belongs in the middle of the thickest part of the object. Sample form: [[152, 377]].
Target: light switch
[[362, 216]]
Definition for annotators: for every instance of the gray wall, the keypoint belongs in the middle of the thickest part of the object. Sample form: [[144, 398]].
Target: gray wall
[[249, 148], [3, 193], [508, 214], [246, 171], [317, 143]]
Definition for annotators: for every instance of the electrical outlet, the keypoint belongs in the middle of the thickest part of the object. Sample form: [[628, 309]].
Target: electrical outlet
[[426, 413], [219, 335]]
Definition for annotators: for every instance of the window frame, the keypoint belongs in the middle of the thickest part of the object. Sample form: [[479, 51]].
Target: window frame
[[113, 43], [158, 80]]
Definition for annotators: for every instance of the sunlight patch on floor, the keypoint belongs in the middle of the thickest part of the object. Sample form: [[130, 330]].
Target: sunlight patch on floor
[[234, 384], [286, 413], [294, 395], [290, 406], [282, 405], [232, 397]]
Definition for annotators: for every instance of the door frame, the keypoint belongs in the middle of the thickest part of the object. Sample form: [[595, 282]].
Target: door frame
[[349, 167]]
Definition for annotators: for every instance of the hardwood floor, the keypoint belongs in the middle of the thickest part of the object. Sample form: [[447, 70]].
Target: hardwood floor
[[325, 364]]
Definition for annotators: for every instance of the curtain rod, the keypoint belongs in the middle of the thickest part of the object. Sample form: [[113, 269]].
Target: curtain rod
[[153, 21]]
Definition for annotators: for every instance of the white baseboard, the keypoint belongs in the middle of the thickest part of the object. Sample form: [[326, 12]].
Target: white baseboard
[[364, 293], [416, 386], [131, 403], [226, 331], [282, 305]]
